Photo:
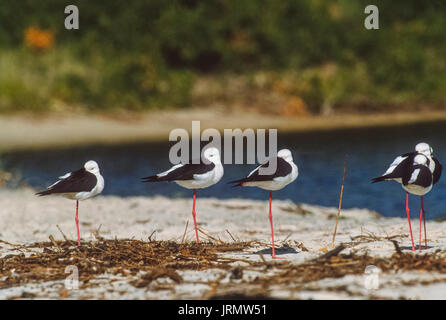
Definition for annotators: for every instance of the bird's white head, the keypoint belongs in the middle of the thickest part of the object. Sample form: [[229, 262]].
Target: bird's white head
[[91, 166], [424, 148], [285, 154], [212, 154], [420, 159]]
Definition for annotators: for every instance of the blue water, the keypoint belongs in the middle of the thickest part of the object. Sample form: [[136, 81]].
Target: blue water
[[319, 156]]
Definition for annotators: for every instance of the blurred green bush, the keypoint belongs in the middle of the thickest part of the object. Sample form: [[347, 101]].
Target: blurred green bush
[[142, 54]]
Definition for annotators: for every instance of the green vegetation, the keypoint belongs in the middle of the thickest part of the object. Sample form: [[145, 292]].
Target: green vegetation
[[143, 54]]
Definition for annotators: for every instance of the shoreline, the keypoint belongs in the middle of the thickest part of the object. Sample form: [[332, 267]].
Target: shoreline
[[21, 132]]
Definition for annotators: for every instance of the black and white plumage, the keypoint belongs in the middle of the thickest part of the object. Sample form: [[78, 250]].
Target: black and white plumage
[[412, 171], [402, 170], [419, 180], [417, 172], [434, 164], [285, 173], [81, 184], [194, 176], [78, 185]]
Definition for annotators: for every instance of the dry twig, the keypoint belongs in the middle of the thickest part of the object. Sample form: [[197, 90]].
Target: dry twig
[[209, 236], [185, 230], [340, 202], [63, 234]]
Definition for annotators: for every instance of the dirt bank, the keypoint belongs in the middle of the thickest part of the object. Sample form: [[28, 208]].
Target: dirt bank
[[56, 130]]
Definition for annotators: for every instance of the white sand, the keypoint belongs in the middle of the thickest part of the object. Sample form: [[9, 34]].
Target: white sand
[[25, 218]]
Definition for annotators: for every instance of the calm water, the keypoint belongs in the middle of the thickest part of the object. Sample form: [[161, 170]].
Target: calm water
[[319, 156]]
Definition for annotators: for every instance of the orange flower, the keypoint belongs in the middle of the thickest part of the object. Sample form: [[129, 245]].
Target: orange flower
[[295, 107], [38, 39]]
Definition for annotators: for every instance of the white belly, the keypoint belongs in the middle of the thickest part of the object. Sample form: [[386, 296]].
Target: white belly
[[266, 185], [277, 183], [195, 184], [203, 180], [417, 190]]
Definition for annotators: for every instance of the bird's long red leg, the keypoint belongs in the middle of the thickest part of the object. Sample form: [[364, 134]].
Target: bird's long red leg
[[424, 223], [77, 223], [193, 214], [408, 218], [421, 220], [272, 229]]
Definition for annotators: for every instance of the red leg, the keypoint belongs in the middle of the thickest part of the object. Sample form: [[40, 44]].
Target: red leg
[[408, 218], [272, 229], [77, 224], [193, 215], [424, 222], [421, 219]]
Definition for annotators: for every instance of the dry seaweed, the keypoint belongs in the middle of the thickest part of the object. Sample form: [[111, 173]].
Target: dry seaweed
[[144, 262], [157, 258], [350, 264]]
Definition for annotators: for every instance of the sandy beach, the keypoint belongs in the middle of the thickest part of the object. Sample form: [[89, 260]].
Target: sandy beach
[[243, 266]]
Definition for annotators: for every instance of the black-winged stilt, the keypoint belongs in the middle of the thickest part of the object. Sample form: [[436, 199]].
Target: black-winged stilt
[[78, 185], [286, 172], [417, 172], [194, 176]]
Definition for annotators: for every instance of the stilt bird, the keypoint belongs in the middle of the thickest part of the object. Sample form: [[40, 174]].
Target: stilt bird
[[78, 185], [417, 172], [285, 173], [194, 176]]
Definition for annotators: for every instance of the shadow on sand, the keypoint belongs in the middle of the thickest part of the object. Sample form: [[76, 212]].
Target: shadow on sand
[[279, 250], [417, 248]]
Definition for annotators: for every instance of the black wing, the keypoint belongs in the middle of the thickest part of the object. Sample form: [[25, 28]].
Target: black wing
[[401, 170], [78, 181], [184, 172], [283, 169], [437, 171], [423, 179]]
